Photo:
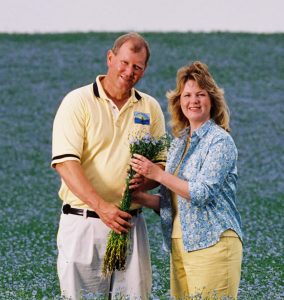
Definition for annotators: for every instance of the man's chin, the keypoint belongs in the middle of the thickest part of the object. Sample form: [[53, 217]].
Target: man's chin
[[126, 86]]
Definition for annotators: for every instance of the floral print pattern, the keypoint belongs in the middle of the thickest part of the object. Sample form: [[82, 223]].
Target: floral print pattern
[[210, 168]]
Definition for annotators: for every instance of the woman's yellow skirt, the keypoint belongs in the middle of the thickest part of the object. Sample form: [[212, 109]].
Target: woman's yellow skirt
[[213, 272]]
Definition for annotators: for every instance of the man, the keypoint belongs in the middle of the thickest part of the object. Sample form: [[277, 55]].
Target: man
[[91, 135]]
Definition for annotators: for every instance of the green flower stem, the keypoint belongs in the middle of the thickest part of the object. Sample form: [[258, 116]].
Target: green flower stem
[[126, 199], [115, 255]]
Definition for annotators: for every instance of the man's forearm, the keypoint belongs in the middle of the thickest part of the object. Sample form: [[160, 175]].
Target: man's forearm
[[73, 175]]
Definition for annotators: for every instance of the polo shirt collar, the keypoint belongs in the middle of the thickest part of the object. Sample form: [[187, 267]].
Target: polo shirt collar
[[100, 93]]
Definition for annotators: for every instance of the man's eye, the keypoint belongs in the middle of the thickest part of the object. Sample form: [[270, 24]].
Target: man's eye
[[137, 68]]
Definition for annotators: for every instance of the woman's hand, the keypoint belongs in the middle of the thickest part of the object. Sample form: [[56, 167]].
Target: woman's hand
[[145, 167]]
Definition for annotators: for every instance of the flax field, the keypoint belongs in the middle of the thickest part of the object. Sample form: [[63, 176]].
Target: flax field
[[36, 71]]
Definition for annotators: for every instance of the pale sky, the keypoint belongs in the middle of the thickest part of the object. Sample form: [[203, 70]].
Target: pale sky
[[30, 16]]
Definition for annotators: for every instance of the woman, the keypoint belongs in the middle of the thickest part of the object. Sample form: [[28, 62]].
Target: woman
[[200, 222]]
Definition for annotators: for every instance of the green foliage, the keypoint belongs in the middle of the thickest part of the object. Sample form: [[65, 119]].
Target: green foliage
[[116, 253], [148, 146]]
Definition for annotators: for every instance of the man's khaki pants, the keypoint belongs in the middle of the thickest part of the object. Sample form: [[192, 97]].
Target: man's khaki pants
[[81, 245]]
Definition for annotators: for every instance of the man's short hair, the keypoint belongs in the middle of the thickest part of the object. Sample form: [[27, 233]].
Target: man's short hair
[[138, 43]]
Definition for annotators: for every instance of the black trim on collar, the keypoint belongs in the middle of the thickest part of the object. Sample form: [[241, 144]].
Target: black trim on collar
[[97, 94], [96, 89], [137, 95]]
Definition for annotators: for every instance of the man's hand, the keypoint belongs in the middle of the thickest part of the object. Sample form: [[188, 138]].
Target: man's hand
[[138, 183], [73, 175], [112, 216]]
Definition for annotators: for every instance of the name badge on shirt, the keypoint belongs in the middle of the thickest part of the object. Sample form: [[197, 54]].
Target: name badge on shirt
[[141, 118]]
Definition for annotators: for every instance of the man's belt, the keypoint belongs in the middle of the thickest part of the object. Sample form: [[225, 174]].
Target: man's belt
[[67, 209]]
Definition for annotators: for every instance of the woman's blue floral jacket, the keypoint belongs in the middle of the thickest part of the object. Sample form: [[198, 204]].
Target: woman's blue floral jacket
[[209, 167]]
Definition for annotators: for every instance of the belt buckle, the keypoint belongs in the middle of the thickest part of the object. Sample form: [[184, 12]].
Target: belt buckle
[[66, 209]]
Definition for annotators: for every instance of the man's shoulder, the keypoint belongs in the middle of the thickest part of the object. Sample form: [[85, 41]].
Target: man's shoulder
[[76, 99], [78, 95], [82, 90]]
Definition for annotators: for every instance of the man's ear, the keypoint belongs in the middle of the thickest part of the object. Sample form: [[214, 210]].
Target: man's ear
[[109, 57]]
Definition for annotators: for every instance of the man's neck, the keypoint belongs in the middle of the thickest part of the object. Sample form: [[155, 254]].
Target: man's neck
[[116, 96]]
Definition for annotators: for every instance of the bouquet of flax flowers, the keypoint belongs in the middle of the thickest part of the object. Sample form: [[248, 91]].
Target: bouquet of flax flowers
[[116, 249]]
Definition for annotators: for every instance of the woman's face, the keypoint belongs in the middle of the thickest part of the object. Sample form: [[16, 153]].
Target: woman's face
[[195, 104]]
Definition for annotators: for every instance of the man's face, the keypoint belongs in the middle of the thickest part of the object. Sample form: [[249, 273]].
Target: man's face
[[126, 67]]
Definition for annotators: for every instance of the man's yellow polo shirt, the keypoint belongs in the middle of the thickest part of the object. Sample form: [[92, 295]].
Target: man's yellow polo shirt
[[86, 130]]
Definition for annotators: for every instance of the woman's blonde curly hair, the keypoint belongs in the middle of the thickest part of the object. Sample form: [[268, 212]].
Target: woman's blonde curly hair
[[198, 72]]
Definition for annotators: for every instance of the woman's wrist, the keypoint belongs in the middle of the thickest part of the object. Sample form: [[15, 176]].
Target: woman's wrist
[[162, 177]]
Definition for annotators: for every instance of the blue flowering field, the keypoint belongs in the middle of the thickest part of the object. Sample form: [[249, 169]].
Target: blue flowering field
[[36, 71]]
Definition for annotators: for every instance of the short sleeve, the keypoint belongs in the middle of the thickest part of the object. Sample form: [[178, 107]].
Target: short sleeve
[[68, 130]]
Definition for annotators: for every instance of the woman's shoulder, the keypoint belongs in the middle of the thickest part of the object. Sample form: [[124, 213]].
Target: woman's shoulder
[[217, 132], [218, 135]]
